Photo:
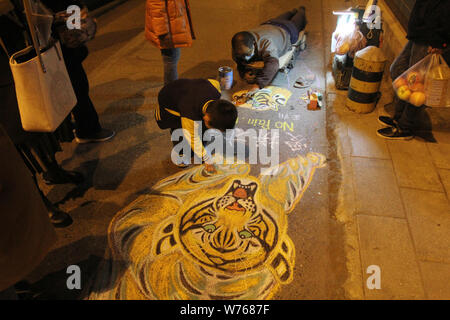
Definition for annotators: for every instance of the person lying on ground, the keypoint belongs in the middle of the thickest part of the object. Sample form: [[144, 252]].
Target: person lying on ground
[[264, 45]]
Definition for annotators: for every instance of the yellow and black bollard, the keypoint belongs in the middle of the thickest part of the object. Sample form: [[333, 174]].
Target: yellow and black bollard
[[367, 73]]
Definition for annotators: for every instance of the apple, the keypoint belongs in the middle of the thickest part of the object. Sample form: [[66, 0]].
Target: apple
[[399, 82], [413, 77], [404, 93], [418, 86], [417, 98]]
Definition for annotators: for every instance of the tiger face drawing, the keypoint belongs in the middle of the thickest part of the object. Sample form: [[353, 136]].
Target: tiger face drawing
[[232, 233], [203, 236]]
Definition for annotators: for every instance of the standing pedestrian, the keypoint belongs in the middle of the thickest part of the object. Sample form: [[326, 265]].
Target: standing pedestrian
[[87, 125], [37, 149], [168, 25], [428, 32]]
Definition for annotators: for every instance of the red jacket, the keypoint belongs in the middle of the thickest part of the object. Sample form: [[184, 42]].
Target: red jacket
[[171, 17]]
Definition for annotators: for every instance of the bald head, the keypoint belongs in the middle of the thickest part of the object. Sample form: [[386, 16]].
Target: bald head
[[242, 44]]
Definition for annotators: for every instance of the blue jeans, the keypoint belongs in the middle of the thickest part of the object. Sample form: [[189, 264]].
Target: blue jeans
[[170, 59], [405, 113]]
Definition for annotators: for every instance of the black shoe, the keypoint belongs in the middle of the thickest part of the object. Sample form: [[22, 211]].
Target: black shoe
[[61, 176], [387, 121], [59, 218], [101, 136], [302, 9], [395, 133]]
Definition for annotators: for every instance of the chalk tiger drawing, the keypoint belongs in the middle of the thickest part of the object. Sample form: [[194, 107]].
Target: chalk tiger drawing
[[269, 98], [201, 236]]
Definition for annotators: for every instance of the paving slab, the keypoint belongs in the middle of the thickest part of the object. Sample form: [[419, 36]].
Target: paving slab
[[440, 153], [436, 279], [413, 165], [445, 177], [428, 215], [376, 188], [365, 142], [385, 242]]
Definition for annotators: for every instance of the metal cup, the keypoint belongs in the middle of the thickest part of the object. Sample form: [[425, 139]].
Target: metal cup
[[225, 78]]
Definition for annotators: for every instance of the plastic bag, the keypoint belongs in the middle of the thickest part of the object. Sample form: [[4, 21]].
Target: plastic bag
[[437, 82], [425, 83], [350, 42], [345, 24]]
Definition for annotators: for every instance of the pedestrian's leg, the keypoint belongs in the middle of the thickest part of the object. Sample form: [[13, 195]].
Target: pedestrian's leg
[[170, 59], [299, 19], [84, 113], [410, 112], [400, 65], [394, 131], [399, 105], [55, 174], [408, 118], [418, 52], [401, 62], [58, 218]]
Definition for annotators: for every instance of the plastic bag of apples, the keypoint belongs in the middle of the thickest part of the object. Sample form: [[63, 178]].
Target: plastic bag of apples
[[425, 83]]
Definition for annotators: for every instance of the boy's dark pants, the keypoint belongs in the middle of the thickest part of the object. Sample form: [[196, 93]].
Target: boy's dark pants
[[166, 120]]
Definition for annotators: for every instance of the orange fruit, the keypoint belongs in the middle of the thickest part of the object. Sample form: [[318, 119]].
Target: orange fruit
[[417, 98], [418, 86]]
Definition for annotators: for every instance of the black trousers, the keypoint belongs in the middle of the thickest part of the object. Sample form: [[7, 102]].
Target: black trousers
[[297, 17], [405, 113], [292, 21], [84, 113]]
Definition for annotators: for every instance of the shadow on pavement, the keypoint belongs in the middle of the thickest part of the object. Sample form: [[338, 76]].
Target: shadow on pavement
[[107, 173], [88, 169], [111, 39], [207, 69], [53, 286]]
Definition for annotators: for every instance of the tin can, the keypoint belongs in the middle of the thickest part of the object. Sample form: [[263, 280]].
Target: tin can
[[225, 78]]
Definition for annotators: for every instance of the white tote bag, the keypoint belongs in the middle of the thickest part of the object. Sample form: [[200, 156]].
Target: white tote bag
[[44, 92]]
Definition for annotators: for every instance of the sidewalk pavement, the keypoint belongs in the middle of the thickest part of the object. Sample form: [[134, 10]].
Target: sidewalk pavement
[[393, 199], [379, 202]]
